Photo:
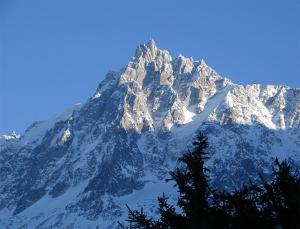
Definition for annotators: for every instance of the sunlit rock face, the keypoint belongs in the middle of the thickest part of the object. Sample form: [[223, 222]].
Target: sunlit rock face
[[79, 168]]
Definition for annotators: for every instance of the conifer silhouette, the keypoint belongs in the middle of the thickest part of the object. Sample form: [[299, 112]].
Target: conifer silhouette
[[272, 204]]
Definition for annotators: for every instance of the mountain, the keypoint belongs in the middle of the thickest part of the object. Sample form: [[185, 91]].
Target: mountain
[[79, 168]]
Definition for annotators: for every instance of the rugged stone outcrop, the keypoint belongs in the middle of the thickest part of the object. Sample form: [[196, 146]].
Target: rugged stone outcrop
[[81, 167]]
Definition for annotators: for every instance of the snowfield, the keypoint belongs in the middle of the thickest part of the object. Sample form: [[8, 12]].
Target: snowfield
[[80, 168]]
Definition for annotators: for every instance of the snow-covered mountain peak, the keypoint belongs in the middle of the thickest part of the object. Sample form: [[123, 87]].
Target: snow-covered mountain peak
[[118, 146], [148, 51], [10, 136], [154, 91], [203, 63], [152, 45]]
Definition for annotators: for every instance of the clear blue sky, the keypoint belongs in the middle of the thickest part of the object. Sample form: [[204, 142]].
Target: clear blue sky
[[53, 53]]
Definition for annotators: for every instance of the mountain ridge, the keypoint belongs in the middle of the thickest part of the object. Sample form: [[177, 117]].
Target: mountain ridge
[[122, 142]]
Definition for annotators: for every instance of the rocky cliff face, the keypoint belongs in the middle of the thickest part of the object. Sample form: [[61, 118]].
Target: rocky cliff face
[[80, 168]]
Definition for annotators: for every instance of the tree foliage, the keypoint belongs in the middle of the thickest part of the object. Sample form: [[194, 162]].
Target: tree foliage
[[272, 204]]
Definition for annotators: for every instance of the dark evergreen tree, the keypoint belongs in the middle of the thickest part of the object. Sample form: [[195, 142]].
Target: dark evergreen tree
[[241, 207], [192, 182], [168, 216], [138, 219], [280, 199], [274, 204], [194, 195]]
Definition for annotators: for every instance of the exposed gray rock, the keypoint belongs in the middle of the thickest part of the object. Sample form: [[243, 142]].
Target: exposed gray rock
[[80, 168]]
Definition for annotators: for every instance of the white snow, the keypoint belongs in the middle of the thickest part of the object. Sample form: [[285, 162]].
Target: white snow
[[12, 135], [66, 135], [146, 198], [35, 134], [97, 95], [167, 104], [188, 115], [184, 133], [46, 209]]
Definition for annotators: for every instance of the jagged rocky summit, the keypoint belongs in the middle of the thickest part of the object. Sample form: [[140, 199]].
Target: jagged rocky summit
[[79, 168]]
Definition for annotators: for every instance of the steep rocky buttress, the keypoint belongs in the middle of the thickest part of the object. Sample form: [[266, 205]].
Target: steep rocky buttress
[[80, 168]]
